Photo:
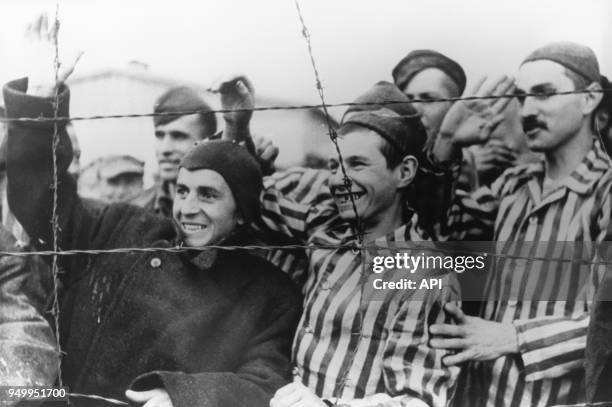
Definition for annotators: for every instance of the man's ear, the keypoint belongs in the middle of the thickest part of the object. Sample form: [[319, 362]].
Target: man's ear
[[406, 171], [592, 99]]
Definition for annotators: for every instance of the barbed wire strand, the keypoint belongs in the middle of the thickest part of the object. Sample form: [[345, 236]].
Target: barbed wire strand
[[332, 131], [347, 185], [182, 249], [54, 217], [295, 107]]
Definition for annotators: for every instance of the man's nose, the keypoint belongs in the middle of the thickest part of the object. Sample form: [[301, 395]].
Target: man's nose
[[529, 107], [166, 145], [188, 205]]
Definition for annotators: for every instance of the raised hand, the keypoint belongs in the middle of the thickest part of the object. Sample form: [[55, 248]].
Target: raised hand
[[237, 93], [472, 121], [40, 39]]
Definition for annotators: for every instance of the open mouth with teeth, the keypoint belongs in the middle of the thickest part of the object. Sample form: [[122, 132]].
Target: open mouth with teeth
[[345, 198], [192, 227]]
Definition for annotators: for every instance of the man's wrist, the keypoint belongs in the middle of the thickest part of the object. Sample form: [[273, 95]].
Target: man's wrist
[[512, 342]]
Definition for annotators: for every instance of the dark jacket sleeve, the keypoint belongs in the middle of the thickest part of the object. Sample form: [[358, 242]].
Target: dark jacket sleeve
[[264, 369], [30, 170]]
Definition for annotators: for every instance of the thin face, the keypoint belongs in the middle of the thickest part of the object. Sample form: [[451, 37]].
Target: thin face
[[204, 207], [374, 186], [431, 83], [173, 141], [548, 121]]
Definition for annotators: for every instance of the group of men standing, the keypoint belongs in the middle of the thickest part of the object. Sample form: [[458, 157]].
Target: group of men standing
[[214, 327]]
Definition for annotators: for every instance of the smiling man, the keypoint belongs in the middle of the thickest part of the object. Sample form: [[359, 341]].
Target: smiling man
[[528, 347], [348, 349], [174, 137], [205, 327]]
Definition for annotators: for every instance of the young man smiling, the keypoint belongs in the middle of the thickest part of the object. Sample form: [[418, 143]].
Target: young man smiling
[[206, 327], [348, 349]]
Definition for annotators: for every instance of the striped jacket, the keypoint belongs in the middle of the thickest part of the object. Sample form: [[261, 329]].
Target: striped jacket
[[347, 347], [547, 300]]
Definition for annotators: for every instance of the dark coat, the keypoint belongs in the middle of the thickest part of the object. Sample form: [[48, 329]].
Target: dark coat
[[224, 318]]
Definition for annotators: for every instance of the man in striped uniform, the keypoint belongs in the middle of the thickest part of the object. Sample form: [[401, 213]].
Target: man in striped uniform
[[350, 350], [528, 347]]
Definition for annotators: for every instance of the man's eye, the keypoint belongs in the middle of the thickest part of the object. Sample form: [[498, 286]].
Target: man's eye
[[332, 166], [181, 192], [207, 196], [542, 95]]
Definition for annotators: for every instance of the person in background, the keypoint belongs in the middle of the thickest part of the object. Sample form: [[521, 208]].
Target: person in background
[[114, 178], [527, 346], [175, 135]]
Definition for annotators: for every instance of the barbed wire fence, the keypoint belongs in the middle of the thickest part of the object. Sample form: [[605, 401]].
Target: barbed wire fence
[[361, 245]]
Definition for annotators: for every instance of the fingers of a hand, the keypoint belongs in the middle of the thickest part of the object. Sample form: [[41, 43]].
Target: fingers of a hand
[[67, 69], [43, 29], [476, 88], [505, 88], [159, 401], [269, 153], [141, 396], [489, 87], [448, 343], [504, 151], [242, 88], [461, 357], [455, 311], [495, 121], [291, 398], [446, 330], [235, 83], [33, 30], [287, 389]]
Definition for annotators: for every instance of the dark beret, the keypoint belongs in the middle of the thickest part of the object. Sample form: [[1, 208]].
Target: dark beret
[[421, 59]]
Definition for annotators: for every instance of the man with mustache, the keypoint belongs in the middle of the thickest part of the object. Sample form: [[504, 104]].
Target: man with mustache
[[350, 350], [528, 347], [200, 326]]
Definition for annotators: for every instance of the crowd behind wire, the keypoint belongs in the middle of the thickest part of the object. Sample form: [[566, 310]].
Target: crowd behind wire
[[212, 324]]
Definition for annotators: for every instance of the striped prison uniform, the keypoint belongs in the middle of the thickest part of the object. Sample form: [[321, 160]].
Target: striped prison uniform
[[307, 187], [349, 349], [547, 301]]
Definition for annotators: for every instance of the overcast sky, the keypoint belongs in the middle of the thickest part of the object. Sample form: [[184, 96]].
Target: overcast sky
[[355, 42]]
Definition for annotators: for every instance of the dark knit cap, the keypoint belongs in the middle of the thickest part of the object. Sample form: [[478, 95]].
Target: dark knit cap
[[575, 57], [234, 163], [398, 123], [180, 99], [421, 59]]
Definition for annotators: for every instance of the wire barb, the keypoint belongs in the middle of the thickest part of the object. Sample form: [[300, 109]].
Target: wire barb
[[332, 131]]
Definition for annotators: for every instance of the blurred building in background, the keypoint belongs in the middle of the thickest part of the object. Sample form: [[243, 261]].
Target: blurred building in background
[[301, 135]]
